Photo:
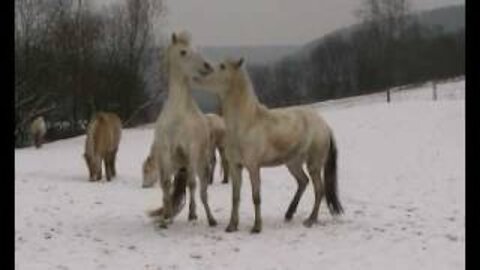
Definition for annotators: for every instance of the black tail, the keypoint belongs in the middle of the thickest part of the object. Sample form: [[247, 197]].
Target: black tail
[[330, 172], [178, 194], [179, 185]]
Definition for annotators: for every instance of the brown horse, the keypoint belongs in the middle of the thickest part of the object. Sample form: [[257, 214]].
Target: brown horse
[[261, 137], [103, 137]]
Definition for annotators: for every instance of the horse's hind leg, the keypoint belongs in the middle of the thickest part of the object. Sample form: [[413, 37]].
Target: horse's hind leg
[[213, 163], [38, 143], [108, 166], [223, 159], [302, 180], [113, 160], [315, 175], [203, 175], [192, 214]]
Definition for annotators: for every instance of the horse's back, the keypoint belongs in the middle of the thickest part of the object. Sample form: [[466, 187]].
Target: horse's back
[[217, 128], [38, 126], [105, 132], [295, 130]]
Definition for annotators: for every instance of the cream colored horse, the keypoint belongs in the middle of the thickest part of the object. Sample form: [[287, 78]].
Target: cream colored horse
[[217, 131], [38, 129], [260, 137], [182, 137]]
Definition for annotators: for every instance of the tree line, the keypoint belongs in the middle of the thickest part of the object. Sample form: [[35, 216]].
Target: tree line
[[387, 48], [72, 60]]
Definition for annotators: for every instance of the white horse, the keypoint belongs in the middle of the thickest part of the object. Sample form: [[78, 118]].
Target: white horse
[[182, 136], [259, 137]]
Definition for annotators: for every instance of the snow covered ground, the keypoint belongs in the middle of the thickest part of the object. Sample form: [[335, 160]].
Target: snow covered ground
[[401, 181]]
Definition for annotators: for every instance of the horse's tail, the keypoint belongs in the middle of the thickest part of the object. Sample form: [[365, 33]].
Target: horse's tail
[[178, 194], [179, 184], [330, 171]]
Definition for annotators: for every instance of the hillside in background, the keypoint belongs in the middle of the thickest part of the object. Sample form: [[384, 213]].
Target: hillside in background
[[450, 19], [253, 54], [263, 61]]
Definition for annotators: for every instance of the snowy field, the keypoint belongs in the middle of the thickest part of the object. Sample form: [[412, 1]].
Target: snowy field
[[401, 181]]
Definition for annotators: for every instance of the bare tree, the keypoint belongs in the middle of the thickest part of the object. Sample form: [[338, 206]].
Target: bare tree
[[386, 23]]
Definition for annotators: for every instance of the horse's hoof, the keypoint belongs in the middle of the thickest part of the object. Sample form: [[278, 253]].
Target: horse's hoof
[[162, 225], [164, 222], [192, 217], [231, 228], [256, 229], [212, 222], [309, 222], [288, 217]]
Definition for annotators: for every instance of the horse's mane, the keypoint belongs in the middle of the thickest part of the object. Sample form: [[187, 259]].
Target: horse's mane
[[241, 84]]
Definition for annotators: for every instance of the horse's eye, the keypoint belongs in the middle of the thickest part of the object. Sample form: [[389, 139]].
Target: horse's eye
[[222, 66], [183, 52]]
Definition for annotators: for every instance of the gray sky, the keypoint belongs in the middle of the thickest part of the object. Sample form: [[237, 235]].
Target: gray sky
[[266, 22]]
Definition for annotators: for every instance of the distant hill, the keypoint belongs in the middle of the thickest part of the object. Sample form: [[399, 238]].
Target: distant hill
[[450, 19], [253, 54]]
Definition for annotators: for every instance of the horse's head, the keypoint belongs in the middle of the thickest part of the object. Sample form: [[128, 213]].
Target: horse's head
[[184, 58], [223, 76], [149, 172]]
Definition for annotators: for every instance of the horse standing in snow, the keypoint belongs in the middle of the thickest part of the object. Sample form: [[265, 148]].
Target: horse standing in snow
[[103, 137], [217, 137], [217, 131], [38, 130], [259, 137], [182, 136]]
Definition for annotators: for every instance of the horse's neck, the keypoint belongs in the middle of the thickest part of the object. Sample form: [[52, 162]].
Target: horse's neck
[[179, 97], [241, 106]]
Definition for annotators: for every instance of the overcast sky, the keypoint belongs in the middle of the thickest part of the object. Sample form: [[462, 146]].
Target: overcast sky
[[266, 22]]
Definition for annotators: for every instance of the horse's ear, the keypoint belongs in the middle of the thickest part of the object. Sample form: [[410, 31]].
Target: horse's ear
[[239, 63], [174, 38]]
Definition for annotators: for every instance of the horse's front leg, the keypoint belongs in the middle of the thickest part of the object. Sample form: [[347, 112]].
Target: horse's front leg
[[255, 181], [236, 176], [165, 184], [204, 182]]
